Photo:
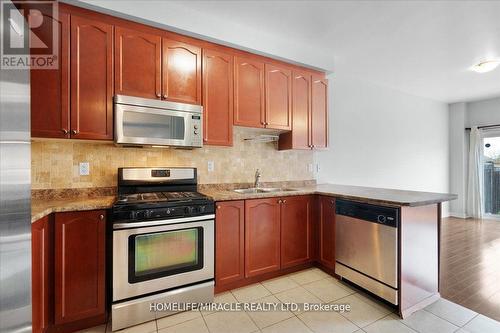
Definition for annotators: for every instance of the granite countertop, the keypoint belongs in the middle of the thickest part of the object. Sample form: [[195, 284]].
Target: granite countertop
[[41, 208], [364, 194], [44, 204]]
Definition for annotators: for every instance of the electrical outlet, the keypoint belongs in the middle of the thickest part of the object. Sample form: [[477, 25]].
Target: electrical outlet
[[310, 167], [317, 168], [84, 168], [211, 166]]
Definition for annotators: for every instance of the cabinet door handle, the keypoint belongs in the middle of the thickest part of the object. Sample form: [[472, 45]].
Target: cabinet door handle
[[158, 95], [74, 132], [218, 206], [284, 201], [280, 201], [101, 217], [65, 131], [164, 96]]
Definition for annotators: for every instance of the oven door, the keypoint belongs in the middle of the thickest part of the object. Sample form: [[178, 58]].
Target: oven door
[[154, 256], [137, 125]]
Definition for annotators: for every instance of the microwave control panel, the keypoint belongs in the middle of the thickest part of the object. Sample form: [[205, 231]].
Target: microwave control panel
[[197, 131]]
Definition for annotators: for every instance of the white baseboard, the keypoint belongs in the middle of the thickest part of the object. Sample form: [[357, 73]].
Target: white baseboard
[[459, 215]]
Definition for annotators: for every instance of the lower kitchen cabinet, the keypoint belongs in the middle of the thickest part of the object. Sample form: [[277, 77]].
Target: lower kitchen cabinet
[[327, 231], [79, 266], [295, 230], [262, 236], [42, 268], [229, 242]]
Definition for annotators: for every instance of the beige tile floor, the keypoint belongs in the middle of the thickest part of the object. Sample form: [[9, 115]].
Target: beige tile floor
[[313, 285]]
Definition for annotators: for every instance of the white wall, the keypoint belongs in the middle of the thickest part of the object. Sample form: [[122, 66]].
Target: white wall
[[380, 137], [458, 157], [462, 115], [483, 112]]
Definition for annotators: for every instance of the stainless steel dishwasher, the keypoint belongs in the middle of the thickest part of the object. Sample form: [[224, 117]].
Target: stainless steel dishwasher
[[366, 247]]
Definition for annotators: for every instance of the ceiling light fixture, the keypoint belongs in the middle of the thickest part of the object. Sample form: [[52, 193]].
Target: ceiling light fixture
[[485, 66]]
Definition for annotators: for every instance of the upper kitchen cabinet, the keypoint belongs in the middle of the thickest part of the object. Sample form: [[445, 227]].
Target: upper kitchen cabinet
[[50, 87], [278, 83], [91, 79], [217, 98], [300, 136], [319, 112], [181, 72], [137, 63], [249, 106]]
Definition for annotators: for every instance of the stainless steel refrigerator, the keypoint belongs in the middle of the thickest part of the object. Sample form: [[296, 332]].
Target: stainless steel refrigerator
[[15, 200]]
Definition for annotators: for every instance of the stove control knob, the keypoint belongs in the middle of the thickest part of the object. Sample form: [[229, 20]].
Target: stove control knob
[[189, 210], [168, 211], [381, 218], [201, 209]]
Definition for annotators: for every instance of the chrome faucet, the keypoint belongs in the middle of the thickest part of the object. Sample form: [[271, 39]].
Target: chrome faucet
[[257, 178]]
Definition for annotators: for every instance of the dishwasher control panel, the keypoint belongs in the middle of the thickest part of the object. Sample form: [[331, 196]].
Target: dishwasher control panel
[[372, 213]]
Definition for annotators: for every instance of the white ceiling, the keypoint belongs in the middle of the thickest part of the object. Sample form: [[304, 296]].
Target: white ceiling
[[420, 47]]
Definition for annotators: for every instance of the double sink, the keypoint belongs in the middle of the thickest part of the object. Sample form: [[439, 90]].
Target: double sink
[[263, 190]]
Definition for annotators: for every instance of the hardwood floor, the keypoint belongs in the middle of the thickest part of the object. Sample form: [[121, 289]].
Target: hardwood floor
[[470, 264]]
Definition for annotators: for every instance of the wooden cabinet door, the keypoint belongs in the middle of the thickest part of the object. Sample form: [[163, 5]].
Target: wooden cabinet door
[[248, 93], [50, 87], [217, 98], [262, 236], [91, 79], [229, 242], [299, 137], [295, 231], [278, 85], [42, 261], [181, 78], [319, 112], [327, 232], [137, 63], [79, 265]]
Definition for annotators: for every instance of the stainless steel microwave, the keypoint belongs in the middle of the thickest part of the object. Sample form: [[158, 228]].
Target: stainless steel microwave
[[151, 122]]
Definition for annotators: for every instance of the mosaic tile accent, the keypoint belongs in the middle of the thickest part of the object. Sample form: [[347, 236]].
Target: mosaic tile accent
[[55, 163]]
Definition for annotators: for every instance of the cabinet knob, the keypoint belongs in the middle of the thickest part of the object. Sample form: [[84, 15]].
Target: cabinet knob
[[158, 95], [266, 123], [218, 206], [101, 217], [74, 132], [65, 131], [280, 201], [284, 201], [164, 96]]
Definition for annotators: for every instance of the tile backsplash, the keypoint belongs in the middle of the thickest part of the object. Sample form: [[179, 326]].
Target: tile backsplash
[[55, 163]]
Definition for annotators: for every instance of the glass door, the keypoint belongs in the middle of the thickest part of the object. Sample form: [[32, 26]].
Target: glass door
[[159, 254], [491, 165]]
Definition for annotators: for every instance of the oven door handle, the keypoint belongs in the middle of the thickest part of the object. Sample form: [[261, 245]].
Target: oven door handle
[[118, 226]]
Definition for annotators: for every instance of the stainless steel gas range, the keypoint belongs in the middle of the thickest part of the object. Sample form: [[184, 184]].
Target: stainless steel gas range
[[162, 243]]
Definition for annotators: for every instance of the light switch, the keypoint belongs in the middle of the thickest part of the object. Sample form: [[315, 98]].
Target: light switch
[[211, 166], [84, 168]]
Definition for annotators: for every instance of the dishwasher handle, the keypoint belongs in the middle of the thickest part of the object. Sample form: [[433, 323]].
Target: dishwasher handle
[[384, 215]]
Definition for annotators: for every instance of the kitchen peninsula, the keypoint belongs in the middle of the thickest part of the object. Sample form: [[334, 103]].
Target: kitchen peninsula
[[295, 223]]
